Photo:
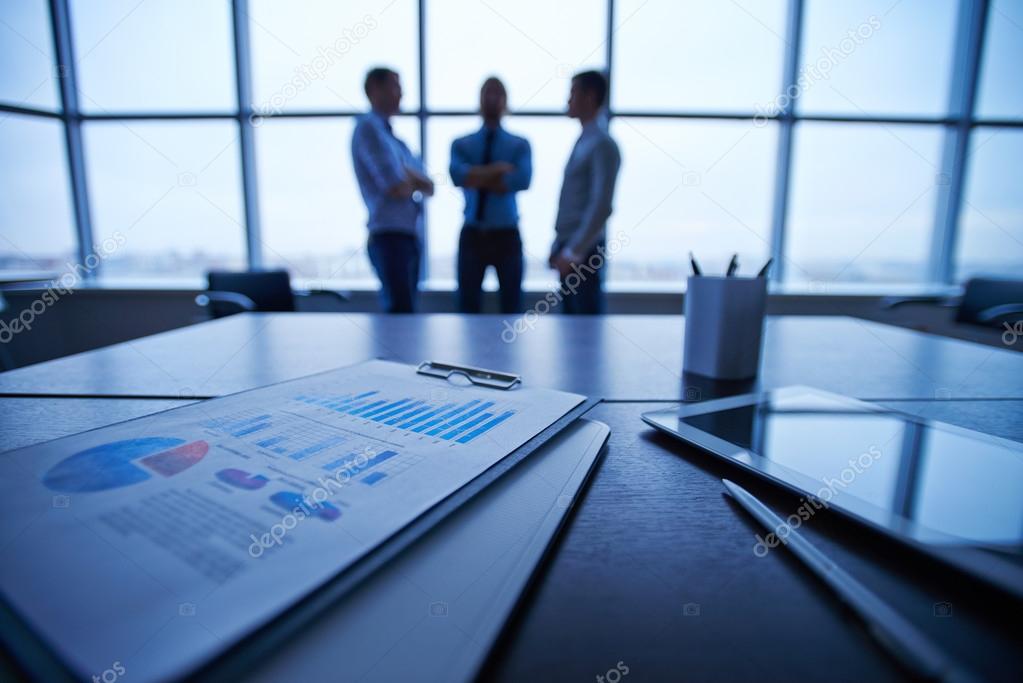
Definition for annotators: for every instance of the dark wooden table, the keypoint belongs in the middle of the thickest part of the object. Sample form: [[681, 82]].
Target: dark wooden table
[[653, 532]]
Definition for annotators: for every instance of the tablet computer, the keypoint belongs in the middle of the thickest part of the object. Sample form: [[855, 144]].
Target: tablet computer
[[955, 493]]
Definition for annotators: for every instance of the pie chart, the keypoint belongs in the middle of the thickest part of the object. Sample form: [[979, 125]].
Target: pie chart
[[122, 463]]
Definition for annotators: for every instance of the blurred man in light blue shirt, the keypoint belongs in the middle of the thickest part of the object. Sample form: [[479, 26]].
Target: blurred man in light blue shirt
[[392, 183], [491, 165]]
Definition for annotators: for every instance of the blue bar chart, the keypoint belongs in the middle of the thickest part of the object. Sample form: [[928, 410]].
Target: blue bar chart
[[355, 463], [316, 447], [449, 421], [281, 434]]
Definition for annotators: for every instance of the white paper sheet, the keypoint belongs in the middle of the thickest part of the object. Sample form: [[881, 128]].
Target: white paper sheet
[[177, 533]]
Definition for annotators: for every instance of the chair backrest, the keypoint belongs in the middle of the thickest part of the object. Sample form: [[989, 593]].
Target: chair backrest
[[270, 290], [980, 294]]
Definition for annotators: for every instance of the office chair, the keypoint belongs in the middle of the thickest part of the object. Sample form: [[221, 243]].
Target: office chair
[[14, 281], [989, 311], [991, 302], [987, 302], [262, 291], [6, 361]]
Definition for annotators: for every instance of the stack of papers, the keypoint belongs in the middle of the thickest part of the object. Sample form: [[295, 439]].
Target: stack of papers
[[157, 543]]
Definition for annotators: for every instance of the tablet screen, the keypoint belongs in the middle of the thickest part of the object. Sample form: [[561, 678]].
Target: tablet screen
[[950, 480]]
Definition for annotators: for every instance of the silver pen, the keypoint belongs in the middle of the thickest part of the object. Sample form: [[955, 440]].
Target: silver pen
[[894, 633]]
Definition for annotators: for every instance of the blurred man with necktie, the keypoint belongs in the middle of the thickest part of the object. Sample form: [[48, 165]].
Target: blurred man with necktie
[[585, 204], [490, 165], [393, 185]]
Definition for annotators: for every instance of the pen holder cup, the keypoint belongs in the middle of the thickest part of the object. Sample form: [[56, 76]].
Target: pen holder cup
[[724, 324]]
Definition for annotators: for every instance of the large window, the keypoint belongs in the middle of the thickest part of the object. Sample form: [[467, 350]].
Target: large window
[[153, 56], [860, 143], [862, 203], [878, 58], [35, 210], [169, 194], [309, 55], [697, 56], [1001, 96], [534, 45], [700, 186], [991, 238], [28, 73]]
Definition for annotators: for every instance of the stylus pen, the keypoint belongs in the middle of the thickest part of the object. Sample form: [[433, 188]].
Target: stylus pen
[[763, 271], [694, 264], [889, 629]]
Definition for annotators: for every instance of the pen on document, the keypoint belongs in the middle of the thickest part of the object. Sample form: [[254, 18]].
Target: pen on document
[[763, 271], [694, 264], [732, 265], [894, 633]]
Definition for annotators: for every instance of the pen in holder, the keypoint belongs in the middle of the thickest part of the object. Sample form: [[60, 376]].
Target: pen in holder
[[724, 324]]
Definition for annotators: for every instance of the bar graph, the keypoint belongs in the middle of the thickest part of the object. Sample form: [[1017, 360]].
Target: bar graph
[[355, 463], [281, 434], [316, 447], [460, 417], [241, 425], [486, 426], [251, 429], [459, 423]]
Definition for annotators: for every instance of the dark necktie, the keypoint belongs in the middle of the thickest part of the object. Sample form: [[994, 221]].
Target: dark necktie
[[488, 153]]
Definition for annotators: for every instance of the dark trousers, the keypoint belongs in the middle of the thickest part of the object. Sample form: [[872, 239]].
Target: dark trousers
[[582, 289], [477, 250], [395, 257]]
